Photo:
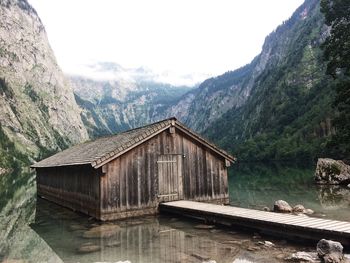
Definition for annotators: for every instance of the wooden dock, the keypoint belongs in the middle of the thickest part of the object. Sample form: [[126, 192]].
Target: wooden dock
[[284, 225]]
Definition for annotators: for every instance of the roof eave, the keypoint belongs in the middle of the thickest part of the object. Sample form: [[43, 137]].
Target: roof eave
[[34, 166]]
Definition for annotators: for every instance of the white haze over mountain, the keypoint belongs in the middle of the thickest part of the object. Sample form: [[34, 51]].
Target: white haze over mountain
[[113, 71], [175, 41]]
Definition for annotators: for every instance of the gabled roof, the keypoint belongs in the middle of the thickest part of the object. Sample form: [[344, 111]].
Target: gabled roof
[[105, 149]]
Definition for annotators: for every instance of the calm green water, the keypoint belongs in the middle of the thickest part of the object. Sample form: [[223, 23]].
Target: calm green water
[[147, 239], [260, 185], [39, 231]]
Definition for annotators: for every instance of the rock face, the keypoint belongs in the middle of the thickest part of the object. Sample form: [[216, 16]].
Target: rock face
[[37, 104], [282, 206], [256, 128], [110, 106], [329, 171], [330, 251]]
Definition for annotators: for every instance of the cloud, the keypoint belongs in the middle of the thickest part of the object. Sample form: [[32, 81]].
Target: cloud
[[179, 40], [114, 72]]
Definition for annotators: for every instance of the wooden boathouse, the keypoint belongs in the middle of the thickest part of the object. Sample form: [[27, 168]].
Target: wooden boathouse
[[130, 173]]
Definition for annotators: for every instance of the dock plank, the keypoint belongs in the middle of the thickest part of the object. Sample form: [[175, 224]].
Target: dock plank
[[306, 227]]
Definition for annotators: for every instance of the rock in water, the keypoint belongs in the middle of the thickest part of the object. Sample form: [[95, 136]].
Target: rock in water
[[266, 209], [333, 258], [299, 209], [309, 211], [282, 206], [329, 171], [330, 251], [103, 231], [303, 257], [88, 248]]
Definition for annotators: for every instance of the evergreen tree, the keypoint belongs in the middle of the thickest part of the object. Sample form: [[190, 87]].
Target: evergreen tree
[[337, 53]]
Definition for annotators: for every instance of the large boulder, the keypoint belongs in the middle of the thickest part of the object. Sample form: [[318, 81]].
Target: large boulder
[[330, 251], [282, 206], [329, 171]]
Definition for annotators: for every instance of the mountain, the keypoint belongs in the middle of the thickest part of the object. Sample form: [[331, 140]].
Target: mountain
[[38, 111], [215, 96], [278, 107], [287, 112], [118, 104]]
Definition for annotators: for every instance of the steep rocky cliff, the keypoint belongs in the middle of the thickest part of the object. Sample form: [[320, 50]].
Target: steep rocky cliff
[[215, 96], [110, 106], [288, 112], [230, 91], [37, 105]]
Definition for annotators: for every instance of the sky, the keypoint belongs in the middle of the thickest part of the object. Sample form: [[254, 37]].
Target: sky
[[181, 40]]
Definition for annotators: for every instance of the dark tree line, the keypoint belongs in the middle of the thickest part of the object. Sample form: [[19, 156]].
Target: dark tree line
[[337, 53]]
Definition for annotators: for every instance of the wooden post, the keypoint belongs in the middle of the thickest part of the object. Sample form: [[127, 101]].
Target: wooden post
[[172, 131], [104, 169]]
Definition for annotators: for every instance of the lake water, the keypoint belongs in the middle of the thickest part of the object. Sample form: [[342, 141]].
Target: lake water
[[260, 185], [40, 231]]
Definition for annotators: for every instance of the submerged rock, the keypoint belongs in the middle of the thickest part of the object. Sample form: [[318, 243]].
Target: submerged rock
[[282, 206], [329, 171], [266, 243], [201, 257], [113, 243], [75, 227], [303, 257], [333, 258], [103, 231], [88, 248], [325, 246], [328, 251]]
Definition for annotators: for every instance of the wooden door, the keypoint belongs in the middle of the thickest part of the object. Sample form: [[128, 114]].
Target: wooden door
[[169, 177]]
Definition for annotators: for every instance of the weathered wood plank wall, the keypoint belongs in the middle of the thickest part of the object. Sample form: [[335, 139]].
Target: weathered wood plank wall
[[169, 162], [170, 166], [76, 187]]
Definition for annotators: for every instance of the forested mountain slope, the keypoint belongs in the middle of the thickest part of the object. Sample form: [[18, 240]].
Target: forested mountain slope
[[215, 96], [38, 112], [288, 113]]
